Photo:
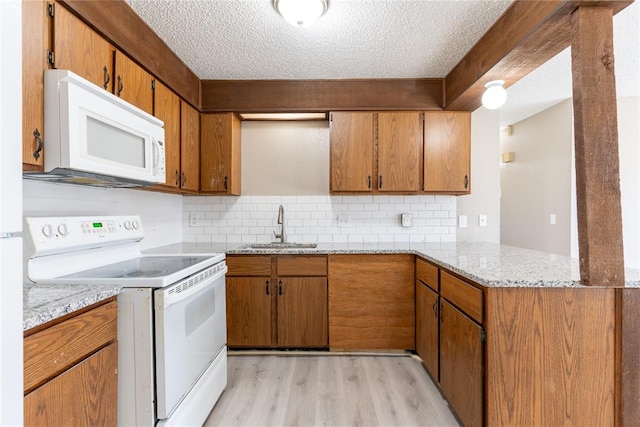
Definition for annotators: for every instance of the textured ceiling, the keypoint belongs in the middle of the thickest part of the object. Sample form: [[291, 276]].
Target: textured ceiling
[[248, 39]]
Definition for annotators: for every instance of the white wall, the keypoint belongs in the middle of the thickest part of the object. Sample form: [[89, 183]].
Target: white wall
[[161, 213], [314, 218], [485, 180], [285, 158], [537, 183]]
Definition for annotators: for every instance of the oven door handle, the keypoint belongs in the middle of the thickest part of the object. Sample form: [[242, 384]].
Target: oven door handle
[[173, 294]]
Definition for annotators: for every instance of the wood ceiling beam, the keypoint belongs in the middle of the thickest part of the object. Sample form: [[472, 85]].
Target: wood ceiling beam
[[116, 21], [526, 36], [273, 96]]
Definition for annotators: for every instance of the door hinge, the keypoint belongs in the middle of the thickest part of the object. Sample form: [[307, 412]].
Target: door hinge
[[51, 11], [51, 57], [483, 336]]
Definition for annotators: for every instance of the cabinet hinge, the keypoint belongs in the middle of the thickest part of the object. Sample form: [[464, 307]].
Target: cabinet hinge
[[483, 336], [153, 84], [51, 57], [51, 10]]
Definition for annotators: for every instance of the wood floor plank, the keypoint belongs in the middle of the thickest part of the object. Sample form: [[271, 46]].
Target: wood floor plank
[[332, 390]]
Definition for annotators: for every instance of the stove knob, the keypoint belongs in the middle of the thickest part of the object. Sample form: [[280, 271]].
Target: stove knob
[[135, 224], [63, 229], [47, 230], [127, 225]]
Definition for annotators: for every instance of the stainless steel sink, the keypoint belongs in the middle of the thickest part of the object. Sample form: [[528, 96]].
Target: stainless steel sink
[[284, 245]]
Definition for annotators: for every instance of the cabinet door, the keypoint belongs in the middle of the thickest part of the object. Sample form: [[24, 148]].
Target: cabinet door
[[86, 394], [351, 151], [220, 159], [461, 364], [166, 107], [80, 49], [35, 41], [249, 302], [132, 83], [371, 302], [447, 147], [190, 147], [427, 324], [399, 151], [302, 312]]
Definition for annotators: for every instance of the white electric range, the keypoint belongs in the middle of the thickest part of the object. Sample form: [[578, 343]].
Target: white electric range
[[172, 364]]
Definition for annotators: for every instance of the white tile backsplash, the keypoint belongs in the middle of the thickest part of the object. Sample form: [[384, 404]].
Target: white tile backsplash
[[161, 213], [314, 218]]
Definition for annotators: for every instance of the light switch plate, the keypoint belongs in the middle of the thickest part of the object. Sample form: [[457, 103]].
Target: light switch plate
[[552, 219], [462, 221], [406, 219], [482, 220]]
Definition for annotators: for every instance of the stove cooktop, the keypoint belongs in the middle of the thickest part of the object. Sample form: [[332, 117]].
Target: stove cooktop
[[144, 267]]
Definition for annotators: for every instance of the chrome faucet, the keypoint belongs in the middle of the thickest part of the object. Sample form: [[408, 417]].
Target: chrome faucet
[[282, 236]]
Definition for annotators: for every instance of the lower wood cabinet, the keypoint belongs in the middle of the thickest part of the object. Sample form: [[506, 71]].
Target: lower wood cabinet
[[71, 370], [461, 364], [427, 328], [371, 302], [277, 302]]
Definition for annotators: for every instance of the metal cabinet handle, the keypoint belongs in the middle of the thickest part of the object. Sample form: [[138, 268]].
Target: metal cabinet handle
[[267, 286], [120, 86], [226, 182], [183, 180], [441, 313], [369, 182], [435, 308], [36, 154], [280, 287], [107, 77], [380, 182], [177, 178], [466, 181]]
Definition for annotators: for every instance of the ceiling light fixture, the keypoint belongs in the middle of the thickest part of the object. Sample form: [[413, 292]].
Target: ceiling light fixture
[[301, 13], [495, 95]]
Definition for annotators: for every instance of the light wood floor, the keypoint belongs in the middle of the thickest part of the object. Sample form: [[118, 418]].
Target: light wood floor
[[329, 390]]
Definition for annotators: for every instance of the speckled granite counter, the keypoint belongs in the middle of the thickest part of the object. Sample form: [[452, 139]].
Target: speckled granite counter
[[43, 303], [487, 264]]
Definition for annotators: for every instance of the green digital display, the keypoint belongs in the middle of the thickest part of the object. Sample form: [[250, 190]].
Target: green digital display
[[97, 225]]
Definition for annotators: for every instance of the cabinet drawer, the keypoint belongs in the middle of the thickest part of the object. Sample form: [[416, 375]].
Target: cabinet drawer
[[466, 297], [427, 273], [55, 349], [249, 265], [302, 266]]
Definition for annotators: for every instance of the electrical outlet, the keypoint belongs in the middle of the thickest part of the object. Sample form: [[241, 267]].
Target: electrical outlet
[[552, 219], [406, 219], [482, 220], [194, 219], [344, 220], [462, 221]]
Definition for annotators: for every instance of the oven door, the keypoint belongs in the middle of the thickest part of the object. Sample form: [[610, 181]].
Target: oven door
[[190, 321]]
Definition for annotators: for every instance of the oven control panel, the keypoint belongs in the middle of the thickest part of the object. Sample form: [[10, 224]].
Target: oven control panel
[[62, 234]]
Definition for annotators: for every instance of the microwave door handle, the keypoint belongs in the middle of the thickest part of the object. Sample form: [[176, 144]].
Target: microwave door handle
[[156, 155]]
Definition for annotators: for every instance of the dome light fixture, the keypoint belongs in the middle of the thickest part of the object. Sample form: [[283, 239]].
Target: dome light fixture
[[301, 13], [495, 95]]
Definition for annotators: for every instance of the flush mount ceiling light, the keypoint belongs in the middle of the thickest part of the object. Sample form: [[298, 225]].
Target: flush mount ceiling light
[[301, 13], [495, 95]]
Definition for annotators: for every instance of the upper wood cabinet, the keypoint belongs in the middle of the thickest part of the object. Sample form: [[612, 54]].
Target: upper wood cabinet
[[132, 83], [220, 165], [78, 48], [166, 107], [351, 147], [357, 139], [399, 152], [35, 42], [190, 147], [447, 148]]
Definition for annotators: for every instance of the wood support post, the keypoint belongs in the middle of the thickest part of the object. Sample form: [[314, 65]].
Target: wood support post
[[596, 148]]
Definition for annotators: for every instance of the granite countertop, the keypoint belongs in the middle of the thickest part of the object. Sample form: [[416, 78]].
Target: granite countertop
[[43, 303], [488, 264]]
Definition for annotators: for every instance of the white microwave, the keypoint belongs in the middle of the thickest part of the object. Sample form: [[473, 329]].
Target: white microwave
[[93, 137]]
